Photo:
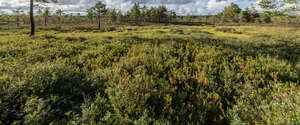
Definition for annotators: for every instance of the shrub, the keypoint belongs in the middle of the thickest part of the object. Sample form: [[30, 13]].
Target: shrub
[[228, 30], [266, 18], [71, 39], [276, 104], [167, 87], [46, 79], [49, 92], [48, 36], [177, 31], [109, 29], [42, 110], [298, 68], [94, 111]]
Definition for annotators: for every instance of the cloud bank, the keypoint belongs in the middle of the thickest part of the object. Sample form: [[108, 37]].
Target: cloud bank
[[181, 7]]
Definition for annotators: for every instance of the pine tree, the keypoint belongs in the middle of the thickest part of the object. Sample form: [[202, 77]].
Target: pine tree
[[59, 14], [99, 10], [32, 32], [113, 15], [46, 15], [231, 13], [119, 17], [18, 13]]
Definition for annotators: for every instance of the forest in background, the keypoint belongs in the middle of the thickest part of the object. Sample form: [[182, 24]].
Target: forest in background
[[274, 13]]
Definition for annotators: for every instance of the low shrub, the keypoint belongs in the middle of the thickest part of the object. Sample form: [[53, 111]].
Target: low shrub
[[82, 39], [52, 90], [228, 30], [146, 78], [177, 31], [94, 111], [164, 86], [49, 36], [73, 39], [109, 29], [275, 104]]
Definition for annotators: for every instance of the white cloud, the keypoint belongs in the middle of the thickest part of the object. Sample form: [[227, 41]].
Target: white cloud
[[195, 7], [214, 6]]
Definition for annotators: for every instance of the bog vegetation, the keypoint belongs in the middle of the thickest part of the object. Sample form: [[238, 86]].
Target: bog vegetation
[[143, 68]]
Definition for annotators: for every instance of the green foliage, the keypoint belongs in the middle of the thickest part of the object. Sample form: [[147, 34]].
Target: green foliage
[[135, 12], [44, 94], [119, 17], [158, 14], [231, 13], [179, 31], [276, 104], [94, 112], [245, 16], [98, 11], [268, 4], [151, 75], [228, 30], [280, 6], [266, 17], [71, 39], [112, 15]]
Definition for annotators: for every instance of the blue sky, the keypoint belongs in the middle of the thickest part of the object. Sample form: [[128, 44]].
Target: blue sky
[[194, 7]]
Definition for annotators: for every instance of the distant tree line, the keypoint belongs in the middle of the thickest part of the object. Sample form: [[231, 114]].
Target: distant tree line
[[275, 11], [233, 13], [137, 14]]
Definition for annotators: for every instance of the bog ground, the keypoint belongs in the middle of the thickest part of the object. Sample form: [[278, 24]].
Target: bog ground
[[146, 75]]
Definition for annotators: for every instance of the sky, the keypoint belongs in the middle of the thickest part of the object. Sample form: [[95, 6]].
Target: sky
[[181, 7]]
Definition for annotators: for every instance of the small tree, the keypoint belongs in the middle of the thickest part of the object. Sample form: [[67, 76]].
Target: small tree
[[161, 13], [3, 16], [231, 12], [39, 16], [151, 14], [90, 14], [46, 15], [99, 9], [144, 10], [32, 32], [113, 15], [18, 13], [119, 17], [266, 17], [135, 12], [172, 15], [24, 18], [59, 14], [245, 16], [254, 16]]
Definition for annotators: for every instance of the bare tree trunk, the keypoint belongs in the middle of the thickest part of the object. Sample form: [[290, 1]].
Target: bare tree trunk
[[46, 20], [32, 19], [159, 19], [18, 21], [59, 20], [99, 22]]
